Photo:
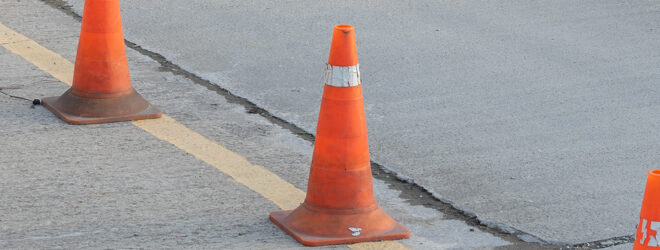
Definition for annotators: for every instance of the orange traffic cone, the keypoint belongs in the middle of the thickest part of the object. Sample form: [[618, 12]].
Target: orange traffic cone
[[648, 230], [101, 90], [340, 205]]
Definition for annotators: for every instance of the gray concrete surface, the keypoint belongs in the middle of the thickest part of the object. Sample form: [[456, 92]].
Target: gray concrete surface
[[116, 186], [110, 186], [621, 247], [541, 115]]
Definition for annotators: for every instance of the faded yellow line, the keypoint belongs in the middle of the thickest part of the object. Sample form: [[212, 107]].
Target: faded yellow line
[[259, 179], [46, 60]]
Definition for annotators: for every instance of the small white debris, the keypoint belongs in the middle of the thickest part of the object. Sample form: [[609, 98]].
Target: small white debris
[[355, 230]]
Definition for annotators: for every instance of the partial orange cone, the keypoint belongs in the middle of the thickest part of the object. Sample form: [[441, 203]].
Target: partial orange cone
[[101, 90], [340, 206], [648, 230]]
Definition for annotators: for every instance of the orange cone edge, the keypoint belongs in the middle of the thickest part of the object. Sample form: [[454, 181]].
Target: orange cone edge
[[101, 91], [340, 207], [648, 229]]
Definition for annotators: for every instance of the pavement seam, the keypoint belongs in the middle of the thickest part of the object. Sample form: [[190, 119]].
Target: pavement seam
[[610, 242], [394, 179], [14, 96]]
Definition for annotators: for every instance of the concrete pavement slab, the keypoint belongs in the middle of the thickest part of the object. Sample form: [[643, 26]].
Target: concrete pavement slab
[[116, 186], [538, 115], [109, 186]]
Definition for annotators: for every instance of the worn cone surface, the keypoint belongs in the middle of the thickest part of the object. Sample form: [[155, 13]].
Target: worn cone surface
[[648, 230], [340, 206], [101, 90]]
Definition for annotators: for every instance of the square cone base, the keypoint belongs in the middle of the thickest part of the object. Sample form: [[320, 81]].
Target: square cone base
[[150, 112], [279, 218]]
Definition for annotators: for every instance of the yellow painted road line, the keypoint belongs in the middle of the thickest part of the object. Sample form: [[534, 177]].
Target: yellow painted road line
[[259, 179], [46, 60]]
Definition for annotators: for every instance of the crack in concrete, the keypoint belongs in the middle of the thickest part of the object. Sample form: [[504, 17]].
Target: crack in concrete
[[412, 192], [619, 240], [13, 96]]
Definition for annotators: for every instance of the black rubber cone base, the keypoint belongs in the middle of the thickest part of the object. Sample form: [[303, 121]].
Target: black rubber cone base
[[82, 110]]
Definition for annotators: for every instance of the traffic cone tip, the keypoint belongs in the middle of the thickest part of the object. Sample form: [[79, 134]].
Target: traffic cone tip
[[343, 51], [346, 28], [343, 69]]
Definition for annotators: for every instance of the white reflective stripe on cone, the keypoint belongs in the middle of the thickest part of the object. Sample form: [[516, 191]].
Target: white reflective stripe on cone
[[340, 76]]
